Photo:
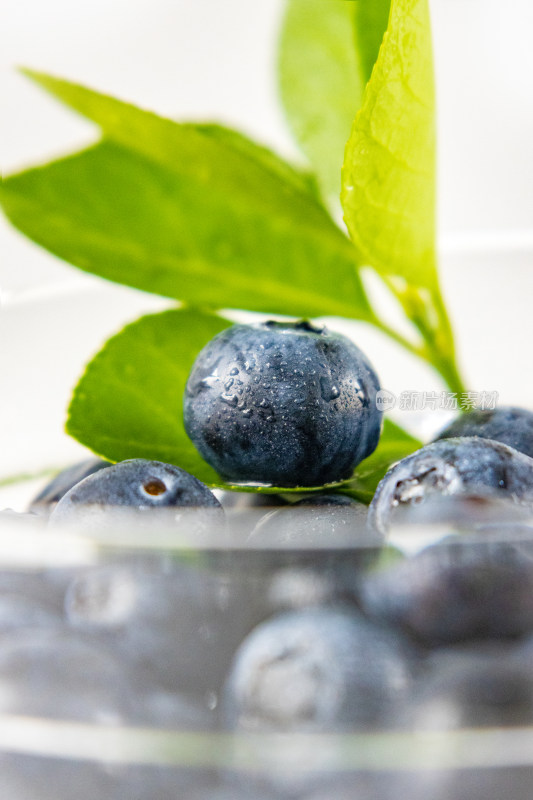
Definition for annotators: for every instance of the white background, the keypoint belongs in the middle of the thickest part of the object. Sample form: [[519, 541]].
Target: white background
[[208, 59]]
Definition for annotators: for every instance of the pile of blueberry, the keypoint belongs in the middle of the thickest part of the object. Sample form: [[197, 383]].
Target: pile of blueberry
[[314, 616]]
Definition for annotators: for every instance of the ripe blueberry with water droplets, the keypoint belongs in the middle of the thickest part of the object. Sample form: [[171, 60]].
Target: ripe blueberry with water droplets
[[288, 404]]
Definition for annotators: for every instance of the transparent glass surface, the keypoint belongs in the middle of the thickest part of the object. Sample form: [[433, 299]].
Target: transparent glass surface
[[118, 643], [114, 670]]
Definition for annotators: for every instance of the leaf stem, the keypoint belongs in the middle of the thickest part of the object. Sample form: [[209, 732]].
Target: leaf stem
[[416, 350], [430, 317], [446, 361]]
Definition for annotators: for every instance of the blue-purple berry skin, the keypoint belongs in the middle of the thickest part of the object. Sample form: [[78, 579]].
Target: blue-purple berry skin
[[57, 488], [316, 669], [287, 404], [507, 424], [459, 466], [137, 484], [467, 587], [476, 688], [318, 521]]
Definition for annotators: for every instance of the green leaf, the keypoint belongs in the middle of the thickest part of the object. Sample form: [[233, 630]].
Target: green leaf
[[388, 177], [129, 402], [302, 180], [326, 55], [213, 239], [208, 154], [319, 82], [394, 444], [370, 23]]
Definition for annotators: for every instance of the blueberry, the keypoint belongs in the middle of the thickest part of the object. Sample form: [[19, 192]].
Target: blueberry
[[473, 687], [476, 688], [180, 624], [314, 670], [136, 484], [47, 498], [507, 424], [478, 695], [324, 521], [55, 673], [314, 527], [458, 466], [311, 551], [248, 501], [287, 404], [466, 511], [61, 675], [466, 587], [325, 499]]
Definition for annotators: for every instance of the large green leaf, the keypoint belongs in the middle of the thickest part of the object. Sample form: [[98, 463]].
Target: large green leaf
[[129, 402], [320, 85], [302, 180], [217, 158], [212, 239], [388, 177]]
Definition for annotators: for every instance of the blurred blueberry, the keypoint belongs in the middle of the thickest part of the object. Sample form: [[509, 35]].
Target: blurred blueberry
[[54, 673], [463, 588], [29, 599], [483, 694], [180, 623], [311, 551], [466, 511], [319, 521], [491, 688], [244, 501], [315, 670], [47, 498], [508, 424]]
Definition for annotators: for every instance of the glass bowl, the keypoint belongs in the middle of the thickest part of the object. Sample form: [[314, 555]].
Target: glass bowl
[[100, 718]]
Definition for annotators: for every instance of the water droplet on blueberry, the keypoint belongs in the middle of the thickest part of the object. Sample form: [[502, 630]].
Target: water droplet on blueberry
[[229, 399]]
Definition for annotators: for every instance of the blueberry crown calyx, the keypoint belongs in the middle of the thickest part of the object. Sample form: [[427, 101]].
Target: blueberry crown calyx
[[303, 325]]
